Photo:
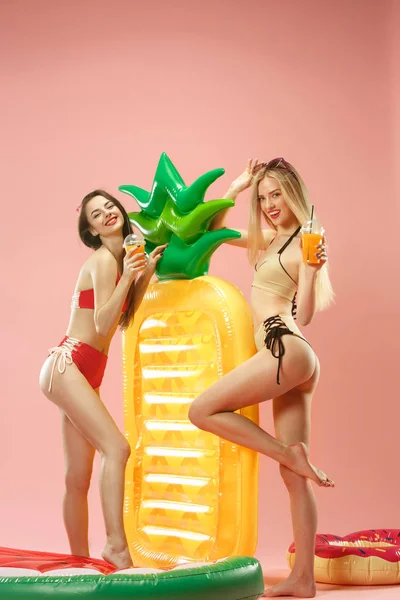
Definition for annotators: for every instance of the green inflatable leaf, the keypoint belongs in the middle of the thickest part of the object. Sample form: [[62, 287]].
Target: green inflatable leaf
[[166, 181], [183, 261], [176, 214], [153, 230], [190, 226], [187, 198], [141, 196]]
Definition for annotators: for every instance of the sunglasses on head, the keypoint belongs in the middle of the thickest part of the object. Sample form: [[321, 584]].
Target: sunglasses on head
[[276, 163]]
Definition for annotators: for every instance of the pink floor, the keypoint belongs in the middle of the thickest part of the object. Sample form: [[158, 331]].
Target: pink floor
[[333, 592]]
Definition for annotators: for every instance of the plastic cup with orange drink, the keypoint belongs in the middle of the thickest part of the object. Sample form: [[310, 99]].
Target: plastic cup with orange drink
[[312, 237], [134, 242]]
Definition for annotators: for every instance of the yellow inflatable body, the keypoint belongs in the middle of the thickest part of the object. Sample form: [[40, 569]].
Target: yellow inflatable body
[[190, 496]]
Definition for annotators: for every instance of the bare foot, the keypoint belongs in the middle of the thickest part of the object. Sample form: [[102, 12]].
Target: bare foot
[[120, 559], [300, 587], [300, 464]]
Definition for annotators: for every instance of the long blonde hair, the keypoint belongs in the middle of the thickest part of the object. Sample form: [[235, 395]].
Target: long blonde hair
[[296, 197]]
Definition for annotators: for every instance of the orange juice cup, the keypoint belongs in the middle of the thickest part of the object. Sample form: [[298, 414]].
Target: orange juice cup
[[310, 243], [134, 242], [312, 237], [137, 248]]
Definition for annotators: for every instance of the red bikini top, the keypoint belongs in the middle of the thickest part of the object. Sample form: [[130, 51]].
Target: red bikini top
[[85, 298]]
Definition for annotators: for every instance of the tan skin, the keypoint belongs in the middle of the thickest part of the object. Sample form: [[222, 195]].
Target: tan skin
[[214, 410], [87, 425]]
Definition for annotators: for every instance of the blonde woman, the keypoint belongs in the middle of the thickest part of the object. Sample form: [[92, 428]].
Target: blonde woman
[[285, 368]]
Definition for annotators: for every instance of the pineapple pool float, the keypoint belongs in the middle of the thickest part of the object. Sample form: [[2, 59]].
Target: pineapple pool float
[[189, 495]]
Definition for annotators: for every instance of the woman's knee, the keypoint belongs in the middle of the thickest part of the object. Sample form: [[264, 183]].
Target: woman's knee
[[77, 480], [197, 414], [118, 450]]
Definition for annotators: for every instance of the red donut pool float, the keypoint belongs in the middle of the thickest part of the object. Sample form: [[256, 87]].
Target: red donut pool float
[[370, 557]]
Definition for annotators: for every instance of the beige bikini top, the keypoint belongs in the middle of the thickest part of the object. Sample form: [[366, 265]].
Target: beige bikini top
[[271, 276]]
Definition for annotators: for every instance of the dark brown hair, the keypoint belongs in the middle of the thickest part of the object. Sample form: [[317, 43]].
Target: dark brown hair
[[94, 241]]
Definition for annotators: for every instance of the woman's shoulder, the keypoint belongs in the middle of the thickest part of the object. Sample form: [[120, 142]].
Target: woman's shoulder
[[102, 258], [100, 262]]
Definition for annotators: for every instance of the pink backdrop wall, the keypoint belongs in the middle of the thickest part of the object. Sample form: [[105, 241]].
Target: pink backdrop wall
[[394, 37], [92, 93]]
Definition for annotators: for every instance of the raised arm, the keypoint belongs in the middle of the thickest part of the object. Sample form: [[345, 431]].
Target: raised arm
[[110, 298], [237, 186], [143, 280]]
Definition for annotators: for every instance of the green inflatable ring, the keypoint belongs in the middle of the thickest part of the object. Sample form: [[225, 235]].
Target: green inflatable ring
[[236, 578]]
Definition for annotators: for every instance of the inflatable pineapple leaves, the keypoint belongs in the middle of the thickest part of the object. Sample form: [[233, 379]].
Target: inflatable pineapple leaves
[[176, 214]]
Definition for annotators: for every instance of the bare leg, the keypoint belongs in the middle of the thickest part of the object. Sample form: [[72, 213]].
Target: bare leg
[[72, 393], [79, 454], [292, 416], [251, 383]]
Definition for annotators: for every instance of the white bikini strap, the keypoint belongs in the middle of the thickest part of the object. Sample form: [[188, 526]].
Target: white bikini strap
[[63, 356]]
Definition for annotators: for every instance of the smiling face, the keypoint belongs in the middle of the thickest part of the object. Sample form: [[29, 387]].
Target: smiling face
[[273, 204], [104, 217]]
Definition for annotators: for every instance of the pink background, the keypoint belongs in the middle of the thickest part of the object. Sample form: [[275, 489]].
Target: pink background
[[92, 92]]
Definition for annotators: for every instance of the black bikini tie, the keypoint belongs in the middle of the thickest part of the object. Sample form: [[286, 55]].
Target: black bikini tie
[[275, 328]]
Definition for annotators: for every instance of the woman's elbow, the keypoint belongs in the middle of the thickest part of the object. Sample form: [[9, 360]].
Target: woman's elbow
[[101, 329], [102, 332], [303, 320]]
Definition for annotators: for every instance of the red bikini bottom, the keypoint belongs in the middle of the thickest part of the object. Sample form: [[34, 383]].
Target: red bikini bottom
[[90, 362]]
